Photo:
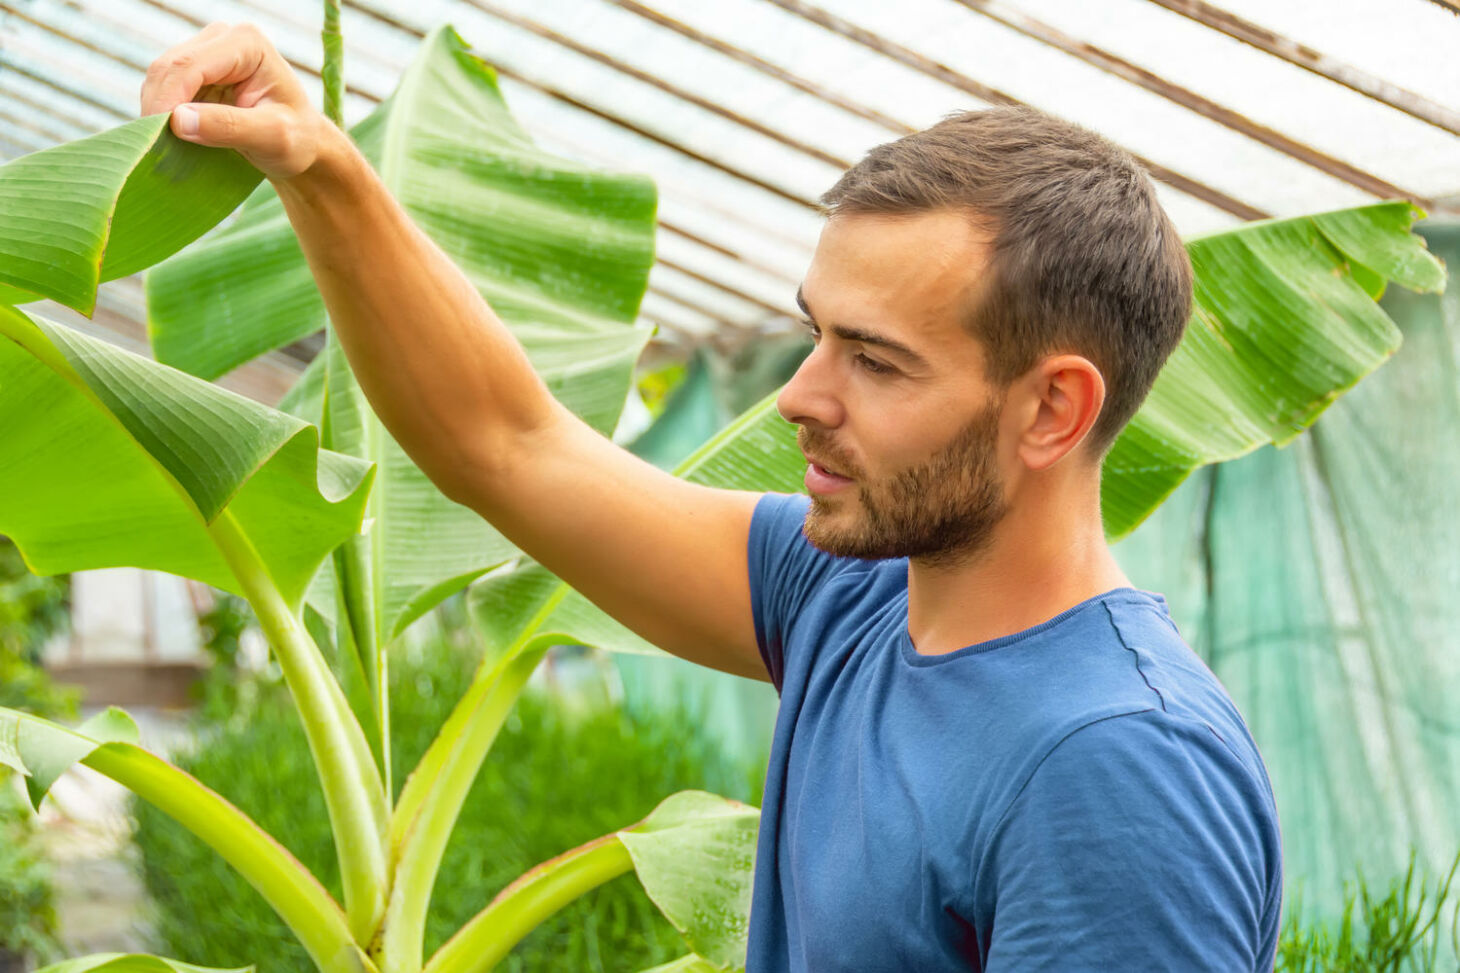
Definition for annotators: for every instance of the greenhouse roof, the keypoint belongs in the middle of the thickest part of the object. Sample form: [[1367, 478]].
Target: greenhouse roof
[[744, 111]]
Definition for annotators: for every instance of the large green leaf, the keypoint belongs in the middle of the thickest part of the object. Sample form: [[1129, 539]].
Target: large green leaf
[[131, 963], [111, 460], [686, 964], [695, 855], [1284, 322], [107, 206], [561, 252]]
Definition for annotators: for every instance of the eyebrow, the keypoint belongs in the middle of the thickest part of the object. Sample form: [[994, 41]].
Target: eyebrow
[[862, 335]]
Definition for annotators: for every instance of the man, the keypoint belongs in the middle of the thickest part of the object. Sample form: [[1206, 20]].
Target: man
[[992, 753]]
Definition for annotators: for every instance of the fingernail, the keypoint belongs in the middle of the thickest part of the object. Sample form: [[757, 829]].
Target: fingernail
[[187, 120]]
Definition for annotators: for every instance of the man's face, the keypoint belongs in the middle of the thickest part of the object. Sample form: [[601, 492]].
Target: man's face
[[900, 429]]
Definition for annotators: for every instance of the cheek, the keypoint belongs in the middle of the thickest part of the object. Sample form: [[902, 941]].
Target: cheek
[[901, 440]]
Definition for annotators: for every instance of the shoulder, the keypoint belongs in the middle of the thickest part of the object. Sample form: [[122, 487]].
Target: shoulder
[[1168, 763], [1146, 825], [1184, 687]]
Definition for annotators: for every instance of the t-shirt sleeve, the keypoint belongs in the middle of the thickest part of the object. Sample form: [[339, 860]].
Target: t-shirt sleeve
[[1140, 843], [785, 570]]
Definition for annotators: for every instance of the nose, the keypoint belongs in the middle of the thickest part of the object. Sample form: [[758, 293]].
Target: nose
[[811, 397]]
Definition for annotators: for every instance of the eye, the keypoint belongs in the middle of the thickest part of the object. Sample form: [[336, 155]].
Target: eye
[[811, 329], [873, 365]]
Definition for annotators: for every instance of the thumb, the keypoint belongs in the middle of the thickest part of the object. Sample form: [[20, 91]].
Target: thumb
[[220, 125], [272, 137]]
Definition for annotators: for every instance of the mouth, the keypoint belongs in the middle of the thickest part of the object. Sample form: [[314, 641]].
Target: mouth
[[820, 480]]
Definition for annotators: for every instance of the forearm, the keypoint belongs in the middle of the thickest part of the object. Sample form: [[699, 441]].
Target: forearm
[[442, 372]]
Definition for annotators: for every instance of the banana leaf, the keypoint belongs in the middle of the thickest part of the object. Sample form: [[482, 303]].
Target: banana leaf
[[131, 963], [561, 252], [108, 206], [694, 855], [1284, 322], [113, 460]]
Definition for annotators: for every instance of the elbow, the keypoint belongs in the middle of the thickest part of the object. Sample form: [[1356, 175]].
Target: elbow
[[480, 469]]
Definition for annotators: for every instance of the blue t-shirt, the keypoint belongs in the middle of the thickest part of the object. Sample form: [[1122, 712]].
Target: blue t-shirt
[[1082, 795]]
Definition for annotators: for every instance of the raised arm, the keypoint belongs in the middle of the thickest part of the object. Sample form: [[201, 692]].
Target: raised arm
[[665, 557]]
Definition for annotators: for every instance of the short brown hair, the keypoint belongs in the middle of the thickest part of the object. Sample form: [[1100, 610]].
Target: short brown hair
[[1084, 260]]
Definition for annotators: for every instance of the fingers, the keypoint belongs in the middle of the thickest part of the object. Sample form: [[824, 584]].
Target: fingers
[[219, 55]]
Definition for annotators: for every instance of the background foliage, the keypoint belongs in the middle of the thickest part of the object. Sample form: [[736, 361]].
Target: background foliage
[[32, 609], [27, 902]]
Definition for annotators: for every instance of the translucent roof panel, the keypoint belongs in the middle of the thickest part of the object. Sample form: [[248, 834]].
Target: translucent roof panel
[[745, 111]]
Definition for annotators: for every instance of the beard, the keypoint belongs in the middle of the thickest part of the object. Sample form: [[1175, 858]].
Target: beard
[[941, 511]]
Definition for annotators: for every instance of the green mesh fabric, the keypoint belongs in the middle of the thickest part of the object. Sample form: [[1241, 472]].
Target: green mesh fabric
[[1321, 583]]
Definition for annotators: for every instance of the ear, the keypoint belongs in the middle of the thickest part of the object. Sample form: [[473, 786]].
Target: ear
[[1064, 395]]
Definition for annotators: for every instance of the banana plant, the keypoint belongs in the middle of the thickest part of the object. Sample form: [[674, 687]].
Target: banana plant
[[319, 519], [111, 459]]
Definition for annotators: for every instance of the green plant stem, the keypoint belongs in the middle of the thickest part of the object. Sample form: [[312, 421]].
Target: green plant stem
[[423, 781], [358, 634], [333, 69], [357, 567], [285, 884], [476, 720], [484, 941], [347, 772]]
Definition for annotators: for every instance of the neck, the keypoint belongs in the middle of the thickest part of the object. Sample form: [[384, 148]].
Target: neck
[[1047, 554]]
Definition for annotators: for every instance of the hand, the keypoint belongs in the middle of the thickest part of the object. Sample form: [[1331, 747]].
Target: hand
[[229, 87]]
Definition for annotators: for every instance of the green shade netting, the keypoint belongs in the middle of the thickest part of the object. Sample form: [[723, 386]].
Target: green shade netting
[[1321, 582]]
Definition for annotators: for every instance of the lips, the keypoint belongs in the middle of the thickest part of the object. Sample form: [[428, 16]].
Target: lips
[[821, 481], [823, 468]]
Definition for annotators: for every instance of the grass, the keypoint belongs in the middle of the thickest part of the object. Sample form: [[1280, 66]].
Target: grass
[[1401, 931]]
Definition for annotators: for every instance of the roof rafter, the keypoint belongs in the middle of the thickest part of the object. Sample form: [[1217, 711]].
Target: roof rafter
[[993, 96], [371, 96], [1044, 33], [1308, 59]]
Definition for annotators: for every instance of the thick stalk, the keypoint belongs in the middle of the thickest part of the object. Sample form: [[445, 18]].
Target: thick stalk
[[424, 838], [332, 72], [347, 771], [423, 780], [285, 884], [522, 906]]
